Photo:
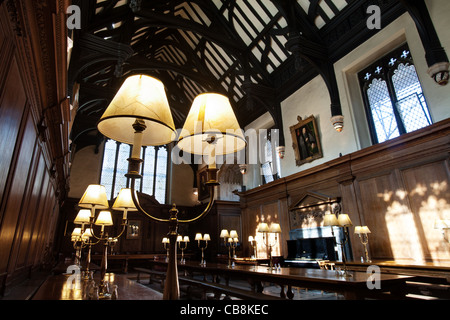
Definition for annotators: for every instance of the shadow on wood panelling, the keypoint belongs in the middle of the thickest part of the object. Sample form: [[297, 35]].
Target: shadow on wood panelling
[[397, 188]]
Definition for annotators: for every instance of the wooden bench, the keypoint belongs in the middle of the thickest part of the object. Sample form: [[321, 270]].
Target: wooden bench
[[206, 287], [153, 274], [218, 289]]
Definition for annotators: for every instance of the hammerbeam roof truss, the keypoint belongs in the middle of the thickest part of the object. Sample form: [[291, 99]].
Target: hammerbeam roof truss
[[197, 46]]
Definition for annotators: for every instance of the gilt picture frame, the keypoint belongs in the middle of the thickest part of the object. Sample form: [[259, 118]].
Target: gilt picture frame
[[306, 140]]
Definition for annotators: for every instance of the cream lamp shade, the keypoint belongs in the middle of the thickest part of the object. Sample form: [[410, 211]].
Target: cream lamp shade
[[330, 219], [344, 220], [250, 238], [233, 234], [165, 240], [87, 233], [94, 198], [82, 216], [179, 238], [198, 236], [211, 117], [206, 237], [263, 227], [362, 230], [275, 228], [124, 202], [76, 232], [144, 98], [224, 233], [186, 239], [104, 219]]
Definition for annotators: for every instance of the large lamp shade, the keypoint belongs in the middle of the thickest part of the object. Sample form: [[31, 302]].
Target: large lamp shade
[[140, 97], [211, 117]]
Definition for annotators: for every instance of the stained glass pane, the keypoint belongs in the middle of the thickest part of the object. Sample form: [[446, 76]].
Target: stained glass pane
[[149, 167], [382, 111], [161, 172], [411, 102], [107, 174]]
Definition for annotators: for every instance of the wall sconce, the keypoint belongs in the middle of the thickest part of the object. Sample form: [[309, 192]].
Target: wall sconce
[[265, 230], [200, 238], [343, 220], [232, 239], [363, 233], [243, 168], [338, 123], [184, 240], [253, 244], [281, 151], [140, 115], [439, 73]]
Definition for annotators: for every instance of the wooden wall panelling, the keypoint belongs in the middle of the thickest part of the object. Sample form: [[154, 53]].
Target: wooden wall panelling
[[12, 105], [428, 193], [229, 218], [394, 188], [32, 210], [21, 237], [16, 198]]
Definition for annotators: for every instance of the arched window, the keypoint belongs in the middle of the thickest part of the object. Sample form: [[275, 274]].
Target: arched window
[[393, 96], [154, 170]]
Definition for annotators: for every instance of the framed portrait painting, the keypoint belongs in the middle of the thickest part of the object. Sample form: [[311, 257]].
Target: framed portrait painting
[[306, 141]]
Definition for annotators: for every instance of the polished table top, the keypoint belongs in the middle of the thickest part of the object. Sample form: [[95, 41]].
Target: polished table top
[[354, 287], [59, 287], [291, 273]]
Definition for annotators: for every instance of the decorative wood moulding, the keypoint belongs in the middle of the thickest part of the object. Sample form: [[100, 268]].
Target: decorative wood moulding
[[310, 206], [424, 145]]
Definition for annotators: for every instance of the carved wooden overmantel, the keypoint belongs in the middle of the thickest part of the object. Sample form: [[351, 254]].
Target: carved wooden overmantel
[[310, 208]]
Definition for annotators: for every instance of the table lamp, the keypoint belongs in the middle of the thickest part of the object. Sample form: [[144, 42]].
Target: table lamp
[[140, 115], [363, 233]]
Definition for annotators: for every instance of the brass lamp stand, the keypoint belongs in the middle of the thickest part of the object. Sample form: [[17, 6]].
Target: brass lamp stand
[[232, 240], [95, 198], [201, 238], [104, 219], [165, 242], [180, 240], [363, 233], [253, 244], [140, 115], [265, 230], [343, 220]]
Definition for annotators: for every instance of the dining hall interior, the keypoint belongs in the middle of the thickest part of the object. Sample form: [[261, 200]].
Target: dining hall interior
[[224, 150]]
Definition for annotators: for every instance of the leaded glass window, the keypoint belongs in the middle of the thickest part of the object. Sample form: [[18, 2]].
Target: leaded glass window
[[154, 170], [393, 96]]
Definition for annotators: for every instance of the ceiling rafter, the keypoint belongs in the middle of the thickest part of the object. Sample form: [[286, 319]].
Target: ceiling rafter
[[254, 51]]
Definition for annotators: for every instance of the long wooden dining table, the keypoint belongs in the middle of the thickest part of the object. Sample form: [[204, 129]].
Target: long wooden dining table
[[65, 287], [358, 285]]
